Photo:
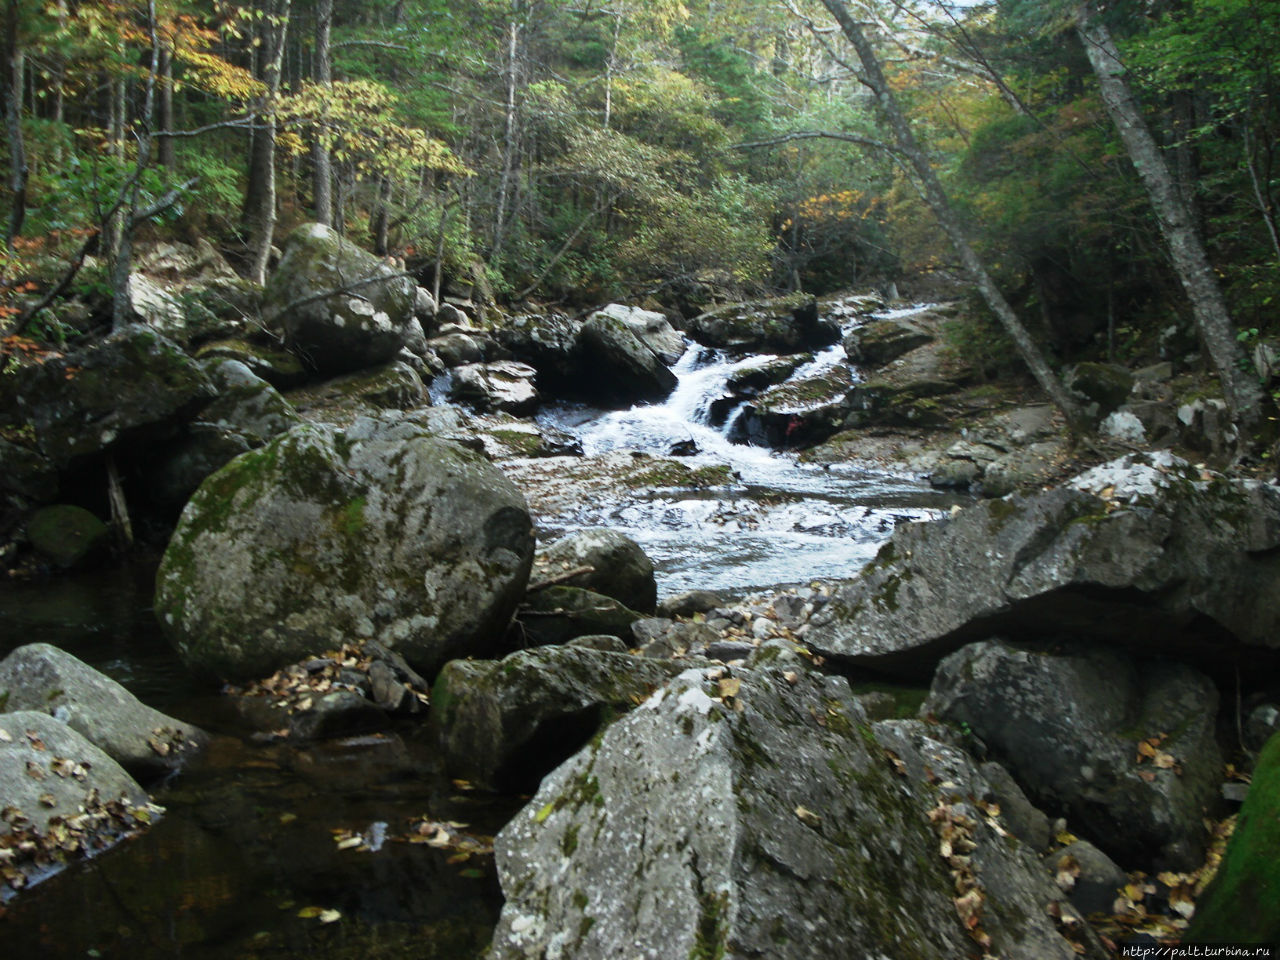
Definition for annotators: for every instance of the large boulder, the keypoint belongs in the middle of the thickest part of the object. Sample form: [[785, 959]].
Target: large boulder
[[605, 561], [760, 814], [1140, 552], [653, 329], [617, 367], [340, 308], [132, 386], [1239, 904], [379, 531], [547, 342], [45, 679], [247, 404], [1124, 748], [782, 325], [801, 412], [505, 724]]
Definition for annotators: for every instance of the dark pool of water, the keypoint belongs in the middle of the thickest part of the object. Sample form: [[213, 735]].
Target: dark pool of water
[[247, 840]]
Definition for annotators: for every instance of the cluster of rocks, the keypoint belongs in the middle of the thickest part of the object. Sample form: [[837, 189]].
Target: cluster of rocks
[[75, 750], [710, 780]]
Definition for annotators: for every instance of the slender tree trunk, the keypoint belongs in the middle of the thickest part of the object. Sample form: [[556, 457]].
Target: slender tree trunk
[[1208, 306], [940, 204], [510, 147], [260, 199], [380, 218], [13, 70], [165, 151], [321, 164]]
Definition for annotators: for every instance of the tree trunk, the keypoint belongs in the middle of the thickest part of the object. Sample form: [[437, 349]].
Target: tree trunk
[[13, 69], [260, 198], [321, 164], [165, 144], [1213, 321], [510, 147], [936, 197]]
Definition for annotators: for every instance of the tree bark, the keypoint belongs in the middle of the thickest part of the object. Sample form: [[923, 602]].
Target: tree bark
[[1208, 306], [934, 194], [165, 144], [510, 146], [321, 164], [260, 198], [13, 69]]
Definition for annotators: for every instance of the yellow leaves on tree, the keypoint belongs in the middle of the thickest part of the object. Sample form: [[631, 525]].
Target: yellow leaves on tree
[[356, 121]]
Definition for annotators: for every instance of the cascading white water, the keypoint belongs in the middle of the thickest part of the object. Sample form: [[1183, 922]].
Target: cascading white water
[[780, 521]]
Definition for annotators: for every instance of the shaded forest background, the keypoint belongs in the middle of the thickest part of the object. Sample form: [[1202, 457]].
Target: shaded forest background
[[571, 153]]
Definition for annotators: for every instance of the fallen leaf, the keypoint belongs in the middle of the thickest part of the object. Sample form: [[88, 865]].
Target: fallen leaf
[[310, 913], [36, 743], [5, 736], [807, 817], [35, 771], [48, 800], [730, 686], [329, 916]]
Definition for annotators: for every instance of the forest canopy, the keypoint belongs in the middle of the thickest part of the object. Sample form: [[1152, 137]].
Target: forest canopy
[[570, 152]]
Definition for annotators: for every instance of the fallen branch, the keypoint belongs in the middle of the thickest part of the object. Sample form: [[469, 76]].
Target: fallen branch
[[559, 578]]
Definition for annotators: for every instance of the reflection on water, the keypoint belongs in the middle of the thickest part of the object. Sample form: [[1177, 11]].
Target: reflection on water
[[247, 839]]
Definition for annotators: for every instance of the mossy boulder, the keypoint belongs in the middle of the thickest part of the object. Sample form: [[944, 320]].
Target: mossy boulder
[[67, 535], [340, 308], [379, 531], [752, 814], [506, 724], [279, 368], [779, 325], [134, 385], [799, 413], [1239, 905]]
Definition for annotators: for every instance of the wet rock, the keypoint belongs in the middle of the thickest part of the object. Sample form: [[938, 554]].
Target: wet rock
[[955, 474], [653, 329], [338, 713], [380, 531], [1262, 722], [719, 817], [665, 639], [782, 325], [1071, 728], [606, 561], [1161, 560], [341, 309], [45, 679], [67, 536], [556, 615], [683, 448], [133, 386], [1088, 876], [505, 724], [617, 366], [1123, 425], [424, 306], [912, 403], [510, 437], [507, 386], [879, 341], [1238, 904], [1025, 468], [799, 412]]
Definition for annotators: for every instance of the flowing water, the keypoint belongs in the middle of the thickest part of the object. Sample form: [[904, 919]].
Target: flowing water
[[778, 521], [247, 842]]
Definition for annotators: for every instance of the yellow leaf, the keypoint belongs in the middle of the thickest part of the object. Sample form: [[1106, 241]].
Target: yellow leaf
[[329, 916], [808, 817], [545, 812], [730, 686], [310, 913]]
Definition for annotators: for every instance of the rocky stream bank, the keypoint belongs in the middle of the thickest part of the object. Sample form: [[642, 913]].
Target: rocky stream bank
[[1024, 729]]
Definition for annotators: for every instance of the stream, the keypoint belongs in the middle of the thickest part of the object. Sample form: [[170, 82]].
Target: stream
[[244, 862]]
